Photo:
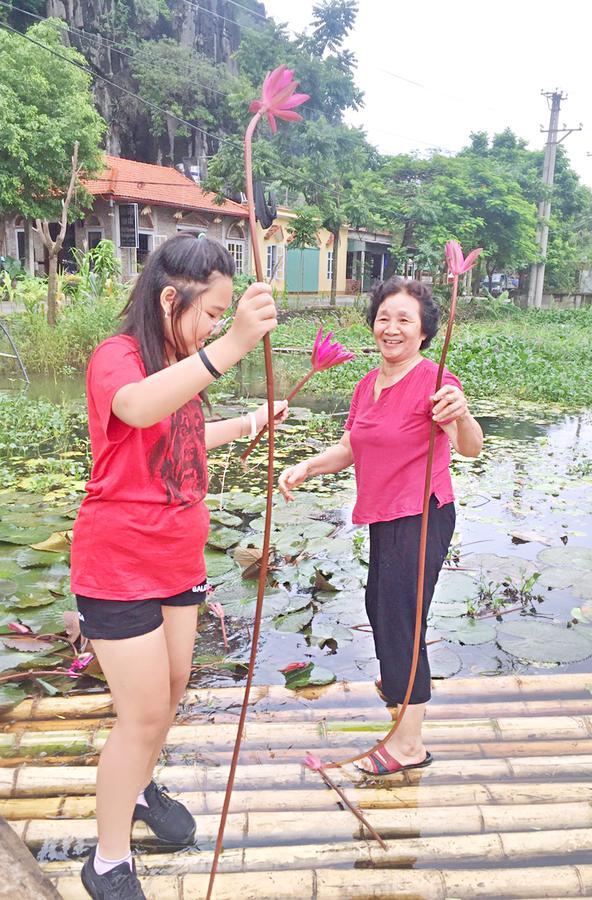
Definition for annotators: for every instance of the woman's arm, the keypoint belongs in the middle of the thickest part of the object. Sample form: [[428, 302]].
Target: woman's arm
[[330, 461], [451, 413], [227, 430]]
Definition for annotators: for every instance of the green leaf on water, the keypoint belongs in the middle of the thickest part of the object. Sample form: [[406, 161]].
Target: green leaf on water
[[542, 642], [217, 563], [293, 622], [444, 661], [224, 538], [308, 675], [10, 695]]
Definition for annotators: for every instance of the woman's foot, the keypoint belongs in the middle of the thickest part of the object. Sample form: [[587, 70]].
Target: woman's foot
[[382, 762], [119, 883], [167, 818]]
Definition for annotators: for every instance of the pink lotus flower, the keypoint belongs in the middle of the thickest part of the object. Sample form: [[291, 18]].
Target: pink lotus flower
[[80, 664], [457, 264], [278, 98], [325, 354], [218, 610], [312, 762]]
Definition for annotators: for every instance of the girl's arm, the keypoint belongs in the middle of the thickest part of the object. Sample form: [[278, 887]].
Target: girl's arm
[[332, 460], [227, 430], [146, 402]]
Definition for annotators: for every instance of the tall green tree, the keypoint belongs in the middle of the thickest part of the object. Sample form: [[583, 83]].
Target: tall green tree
[[46, 109]]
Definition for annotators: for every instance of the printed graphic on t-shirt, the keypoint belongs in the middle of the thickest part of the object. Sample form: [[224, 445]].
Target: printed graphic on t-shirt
[[179, 459]]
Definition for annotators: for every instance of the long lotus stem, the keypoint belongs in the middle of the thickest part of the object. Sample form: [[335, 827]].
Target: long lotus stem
[[268, 508], [290, 396], [422, 551], [357, 813]]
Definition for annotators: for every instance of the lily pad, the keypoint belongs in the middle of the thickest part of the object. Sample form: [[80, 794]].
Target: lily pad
[[217, 563], [444, 661], [224, 538], [570, 557], [306, 675], [555, 577], [10, 696], [467, 630], [293, 622], [221, 517], [542, 642], [505, 568], [13, 534], [28, 558], [239, 600]]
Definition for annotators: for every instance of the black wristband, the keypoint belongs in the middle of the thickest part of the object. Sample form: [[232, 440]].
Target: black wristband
[[211, 369]]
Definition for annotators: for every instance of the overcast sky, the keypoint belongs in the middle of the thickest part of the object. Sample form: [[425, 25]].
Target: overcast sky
[[434, 71]]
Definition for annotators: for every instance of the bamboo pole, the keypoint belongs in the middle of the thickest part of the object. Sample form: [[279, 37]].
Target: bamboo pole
[[294, 828], [76, 780], [516, 883], [368, 797], [283, 755], [402, 852], [372, 713], [57, 742], [350, 694]]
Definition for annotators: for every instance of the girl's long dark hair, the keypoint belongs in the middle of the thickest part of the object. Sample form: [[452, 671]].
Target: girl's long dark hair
[[186, 262]]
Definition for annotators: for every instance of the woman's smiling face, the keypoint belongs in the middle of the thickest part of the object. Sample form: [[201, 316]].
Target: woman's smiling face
[[397, 328]]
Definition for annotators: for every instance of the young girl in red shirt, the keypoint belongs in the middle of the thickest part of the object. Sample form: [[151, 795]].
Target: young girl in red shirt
[[138, 568]]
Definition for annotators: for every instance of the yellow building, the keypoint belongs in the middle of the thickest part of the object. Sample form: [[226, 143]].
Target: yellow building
[[300, 271]]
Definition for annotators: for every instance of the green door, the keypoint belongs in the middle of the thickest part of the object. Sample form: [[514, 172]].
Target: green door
[[302, 270]]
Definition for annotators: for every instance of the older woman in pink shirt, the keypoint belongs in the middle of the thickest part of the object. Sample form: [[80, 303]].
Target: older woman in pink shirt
[[386, 439]]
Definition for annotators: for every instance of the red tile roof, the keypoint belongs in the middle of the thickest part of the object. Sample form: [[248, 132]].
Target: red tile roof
[[137, 182]]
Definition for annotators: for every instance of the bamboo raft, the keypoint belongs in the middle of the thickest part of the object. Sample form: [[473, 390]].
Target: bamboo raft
[[505, 810]]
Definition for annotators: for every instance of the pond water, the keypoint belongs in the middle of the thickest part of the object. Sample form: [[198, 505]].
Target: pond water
[[516, 594]]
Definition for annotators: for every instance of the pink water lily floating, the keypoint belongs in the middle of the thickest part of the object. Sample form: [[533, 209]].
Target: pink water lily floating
[[278, 98]]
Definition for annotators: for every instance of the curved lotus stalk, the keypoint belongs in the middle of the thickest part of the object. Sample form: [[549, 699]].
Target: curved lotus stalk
[[325, 354], [277, 100]]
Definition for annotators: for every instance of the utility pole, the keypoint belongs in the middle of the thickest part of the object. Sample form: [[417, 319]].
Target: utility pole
[[537, 270]]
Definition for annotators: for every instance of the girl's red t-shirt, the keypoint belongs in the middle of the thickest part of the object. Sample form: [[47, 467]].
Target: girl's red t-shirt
[[143, 525], [389, 440]]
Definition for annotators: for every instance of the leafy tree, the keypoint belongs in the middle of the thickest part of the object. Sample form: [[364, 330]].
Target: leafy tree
[[176, 78], [46, 109]]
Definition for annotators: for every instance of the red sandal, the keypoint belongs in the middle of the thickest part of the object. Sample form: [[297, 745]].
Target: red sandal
[[384, 764]]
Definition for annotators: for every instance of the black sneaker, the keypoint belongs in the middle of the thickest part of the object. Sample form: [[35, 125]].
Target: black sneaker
[[167, 818], [120, 883]]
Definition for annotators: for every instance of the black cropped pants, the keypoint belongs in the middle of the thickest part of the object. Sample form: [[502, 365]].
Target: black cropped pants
[[391, 595]]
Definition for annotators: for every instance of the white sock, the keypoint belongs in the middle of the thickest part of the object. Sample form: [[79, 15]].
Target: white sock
[[103, 865], [142, 799]]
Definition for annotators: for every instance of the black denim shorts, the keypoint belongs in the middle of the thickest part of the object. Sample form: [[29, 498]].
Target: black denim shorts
[[114, 620]]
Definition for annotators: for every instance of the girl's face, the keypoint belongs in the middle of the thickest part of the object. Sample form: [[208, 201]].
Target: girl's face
[[397, 328], [201, 318]]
